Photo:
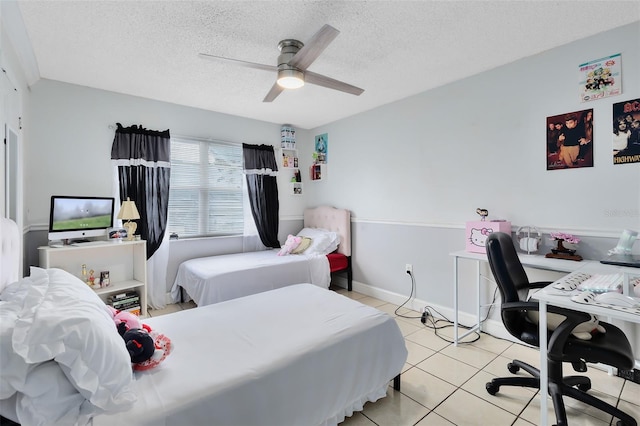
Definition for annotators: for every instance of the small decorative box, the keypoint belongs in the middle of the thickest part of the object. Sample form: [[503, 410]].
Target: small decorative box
[[477, 232]]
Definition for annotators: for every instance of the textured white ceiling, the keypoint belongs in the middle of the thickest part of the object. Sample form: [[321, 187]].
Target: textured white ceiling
[[392, 49]]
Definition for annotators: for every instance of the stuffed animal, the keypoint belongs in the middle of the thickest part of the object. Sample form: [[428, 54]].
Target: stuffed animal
[[140, 344], [292, 242], [124, 320], [146, 347], [163, 347]]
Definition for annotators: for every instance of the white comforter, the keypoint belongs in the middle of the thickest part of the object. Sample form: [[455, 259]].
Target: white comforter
[[214, 279], [299, 355]]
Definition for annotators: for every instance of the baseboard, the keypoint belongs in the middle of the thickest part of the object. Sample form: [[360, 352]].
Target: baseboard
[[490, 326]]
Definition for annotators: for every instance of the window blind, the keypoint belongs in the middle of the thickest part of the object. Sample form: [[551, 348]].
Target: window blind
[[205, 194]]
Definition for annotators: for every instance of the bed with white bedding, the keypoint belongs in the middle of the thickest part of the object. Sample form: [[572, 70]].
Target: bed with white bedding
[[214, 279], [292, 356], [298, 355]]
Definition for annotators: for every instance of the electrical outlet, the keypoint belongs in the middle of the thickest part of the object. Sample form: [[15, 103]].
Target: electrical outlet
[[408, 268], [425, 315]]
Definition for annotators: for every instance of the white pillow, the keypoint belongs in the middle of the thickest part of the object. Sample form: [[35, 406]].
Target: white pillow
[[322, 241], [64, 320], [48, 398]]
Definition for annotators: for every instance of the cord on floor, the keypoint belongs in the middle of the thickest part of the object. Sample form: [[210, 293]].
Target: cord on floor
[[428, 317]]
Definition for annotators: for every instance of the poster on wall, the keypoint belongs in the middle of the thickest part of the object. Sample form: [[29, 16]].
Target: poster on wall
[[321, 149], [600, 78], [626, 132], [570, 140]]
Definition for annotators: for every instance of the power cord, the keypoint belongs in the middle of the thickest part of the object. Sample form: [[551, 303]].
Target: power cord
[[427, 316], [413, 285]]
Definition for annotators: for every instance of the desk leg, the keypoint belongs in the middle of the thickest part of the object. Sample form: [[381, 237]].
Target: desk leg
[[455, 300], [544, 368], [478, 320]]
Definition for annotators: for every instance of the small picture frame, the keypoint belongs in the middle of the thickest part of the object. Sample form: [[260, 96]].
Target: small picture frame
[[117, 234], [104, 279]]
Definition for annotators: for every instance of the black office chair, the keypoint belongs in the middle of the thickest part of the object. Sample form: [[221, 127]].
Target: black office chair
[[610, 348]]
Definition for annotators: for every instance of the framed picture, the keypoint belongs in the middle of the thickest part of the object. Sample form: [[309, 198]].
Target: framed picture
[[104, 279], [321, 148], [570, 140], [626, 132], [600, 78], [117, 234]]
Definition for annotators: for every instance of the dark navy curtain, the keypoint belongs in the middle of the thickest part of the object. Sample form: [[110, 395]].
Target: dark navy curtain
[[260, 168], [143, 158]]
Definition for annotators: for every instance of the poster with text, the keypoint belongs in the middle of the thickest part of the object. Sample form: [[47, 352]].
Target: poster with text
[[570, 140], [626, 132], [600, 78], [321, 148]]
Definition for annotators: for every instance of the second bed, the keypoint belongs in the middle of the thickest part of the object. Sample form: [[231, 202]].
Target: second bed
[[214, 279]]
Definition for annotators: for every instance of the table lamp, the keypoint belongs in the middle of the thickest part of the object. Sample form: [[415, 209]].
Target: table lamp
[[128, 211]]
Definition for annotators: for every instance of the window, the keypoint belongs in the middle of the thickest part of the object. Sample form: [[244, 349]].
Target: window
[[205, 194]]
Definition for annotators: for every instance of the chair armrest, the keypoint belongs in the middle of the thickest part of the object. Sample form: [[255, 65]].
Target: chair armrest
[[540, 284], [561, 334], [558, 338]]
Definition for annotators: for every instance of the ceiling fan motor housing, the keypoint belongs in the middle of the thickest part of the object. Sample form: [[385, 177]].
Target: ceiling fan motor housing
[[288, 49]]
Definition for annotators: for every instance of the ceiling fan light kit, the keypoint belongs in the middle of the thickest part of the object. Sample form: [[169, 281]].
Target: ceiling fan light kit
[[290, 78], [294, 59]]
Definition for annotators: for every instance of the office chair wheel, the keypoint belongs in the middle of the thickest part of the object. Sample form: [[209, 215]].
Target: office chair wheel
[[492, 388], [513, 368]]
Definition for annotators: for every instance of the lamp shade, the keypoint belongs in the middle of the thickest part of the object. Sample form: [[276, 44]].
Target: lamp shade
[[128, 210]]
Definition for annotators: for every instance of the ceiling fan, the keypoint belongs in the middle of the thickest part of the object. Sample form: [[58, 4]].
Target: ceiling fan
[[294, 59]]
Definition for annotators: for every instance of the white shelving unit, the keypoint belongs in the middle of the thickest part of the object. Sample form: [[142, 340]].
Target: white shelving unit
[[126, 262], [289, 158]]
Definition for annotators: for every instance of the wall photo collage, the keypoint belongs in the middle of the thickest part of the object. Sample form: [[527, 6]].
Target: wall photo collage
[[570, 137]]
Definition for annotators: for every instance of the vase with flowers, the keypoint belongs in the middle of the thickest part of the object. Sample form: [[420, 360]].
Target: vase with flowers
[[560, 251]]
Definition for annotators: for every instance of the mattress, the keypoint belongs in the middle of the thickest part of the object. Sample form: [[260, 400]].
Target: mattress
[[215, 279], [299, 355]]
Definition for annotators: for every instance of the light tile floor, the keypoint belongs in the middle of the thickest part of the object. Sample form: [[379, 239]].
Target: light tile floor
[[443, 384]]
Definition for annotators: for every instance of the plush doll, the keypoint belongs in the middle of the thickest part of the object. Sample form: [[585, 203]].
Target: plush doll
[[140, 344], [292, 242], [124, 320], [146, 347], [162, 349]]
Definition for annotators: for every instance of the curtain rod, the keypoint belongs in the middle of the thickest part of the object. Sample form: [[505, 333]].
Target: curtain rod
[[196, 138]]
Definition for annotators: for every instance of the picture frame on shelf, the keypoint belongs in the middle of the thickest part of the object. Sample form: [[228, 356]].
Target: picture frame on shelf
[[104, 279], [117, 234]]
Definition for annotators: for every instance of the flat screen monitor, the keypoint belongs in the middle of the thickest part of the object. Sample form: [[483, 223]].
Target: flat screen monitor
[[80, 217]]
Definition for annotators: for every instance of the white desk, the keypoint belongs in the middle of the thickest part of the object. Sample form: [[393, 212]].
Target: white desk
[[527, 260], [566, 302]]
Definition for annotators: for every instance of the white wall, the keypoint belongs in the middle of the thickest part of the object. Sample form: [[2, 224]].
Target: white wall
[[72, 129], [480, 142], [415, 170]]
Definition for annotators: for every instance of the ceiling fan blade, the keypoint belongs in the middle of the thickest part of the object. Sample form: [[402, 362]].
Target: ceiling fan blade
[[239, 62], [314, 47], [324, 81], [276, 89]]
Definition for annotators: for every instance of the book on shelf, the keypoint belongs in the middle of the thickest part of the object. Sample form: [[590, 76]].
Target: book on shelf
[[114, 300], [124, 295], [136, 310], [126, 303]]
